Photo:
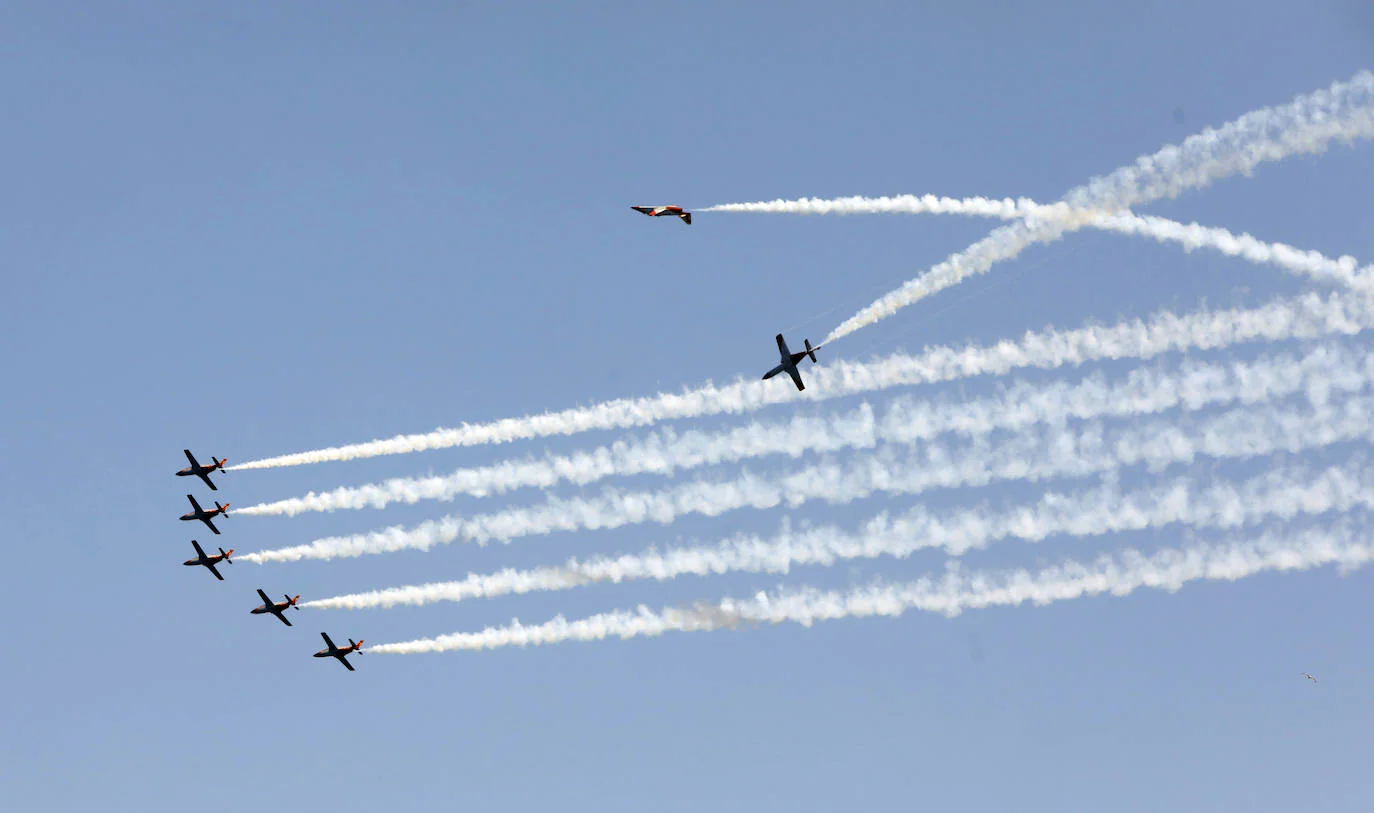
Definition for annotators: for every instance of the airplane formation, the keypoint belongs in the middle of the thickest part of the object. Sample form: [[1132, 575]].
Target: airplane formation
[[208, 561], [788, 363]]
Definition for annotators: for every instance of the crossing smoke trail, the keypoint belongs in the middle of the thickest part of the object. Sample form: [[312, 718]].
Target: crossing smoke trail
[[1118, 575], [1283, 493], [1343, 271], [1309, 124], [1032, 456], [1302, 317], [1196, 384]]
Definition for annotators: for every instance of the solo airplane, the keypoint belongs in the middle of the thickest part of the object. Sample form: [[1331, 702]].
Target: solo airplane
[[789, 362], [209, 561], [665, 211], [204, 516], [203, 472], [336, 652], [278, 609]]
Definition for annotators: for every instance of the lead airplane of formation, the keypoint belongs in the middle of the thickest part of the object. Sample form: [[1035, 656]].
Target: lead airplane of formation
[[203, 472], [665, 211]]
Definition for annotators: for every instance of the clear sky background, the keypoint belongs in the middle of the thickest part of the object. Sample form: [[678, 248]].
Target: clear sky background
[[265, 228]]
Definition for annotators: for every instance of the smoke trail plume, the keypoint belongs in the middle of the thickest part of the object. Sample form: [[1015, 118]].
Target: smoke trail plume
[[1343, 271], [1302, 317], [957, 590], [1196, 384], [1285, 493], [1309, 124], [1032, 456]]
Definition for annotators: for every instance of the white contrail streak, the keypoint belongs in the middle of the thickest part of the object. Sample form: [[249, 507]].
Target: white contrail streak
[[1285, 493], [1119, 574], [1144, 391], [1343, 271], [1309, 124], [1302, 317], [1053, 452]]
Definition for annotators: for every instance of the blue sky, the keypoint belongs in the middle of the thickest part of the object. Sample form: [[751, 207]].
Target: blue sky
[[272, 227]]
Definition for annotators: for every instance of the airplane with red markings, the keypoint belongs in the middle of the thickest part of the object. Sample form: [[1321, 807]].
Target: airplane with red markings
[[665, 211], [210, 561], [340, 653], [278, 609], [203, 472], [201, 514], [790, 360]]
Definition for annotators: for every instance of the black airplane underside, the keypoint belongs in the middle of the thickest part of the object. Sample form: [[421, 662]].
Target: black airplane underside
[[790, 361]]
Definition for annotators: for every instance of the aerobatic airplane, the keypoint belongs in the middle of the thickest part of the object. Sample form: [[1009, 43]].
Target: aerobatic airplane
[[209, 561], [204, 516], [789, 362], [203, 472], [197, 512], [278, 609], [1309, 677], [341, 654], [664, 211]]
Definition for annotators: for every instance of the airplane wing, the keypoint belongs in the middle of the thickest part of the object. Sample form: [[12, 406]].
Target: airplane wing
[[196, 545], [346, 664], [328, 642], [194, 504], [792, 371], [265, 600], [191, 458], [782, 347], [210, 525], [205, 475], [282, 615], [211, 565]]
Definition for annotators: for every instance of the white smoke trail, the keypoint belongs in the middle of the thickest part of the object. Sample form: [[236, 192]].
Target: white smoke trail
[[1196, 384], [1343, 271], [1309, 124], [1053, 452], [1302, 317], [1118, 575], [1285, 493]]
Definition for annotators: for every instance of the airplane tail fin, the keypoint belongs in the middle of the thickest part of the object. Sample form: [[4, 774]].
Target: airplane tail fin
[[358, 647], [686, 218], [292, 601], [219, 464], [223, 509], [227, 554], [810, 351]]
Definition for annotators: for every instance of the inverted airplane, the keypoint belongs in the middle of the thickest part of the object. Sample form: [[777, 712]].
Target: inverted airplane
[[204, 516], [336, 652], [203, 472], [278, 609], [789, 362], [209, 561], [665, 211]]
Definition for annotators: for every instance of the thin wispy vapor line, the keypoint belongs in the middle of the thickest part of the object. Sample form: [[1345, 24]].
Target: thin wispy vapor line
[[1117, 574], [1193, 384], [1286, 492], [1302, 317], [1344, 271], [1031, 456]]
